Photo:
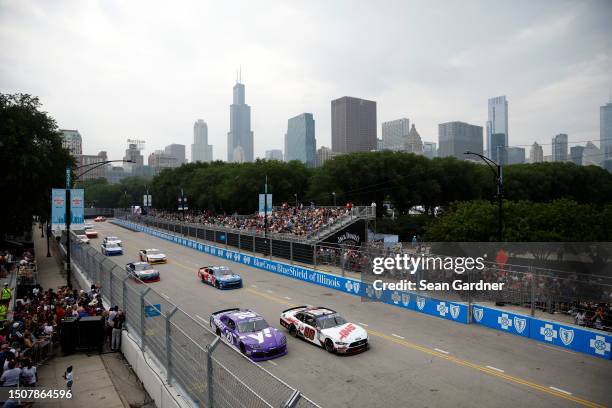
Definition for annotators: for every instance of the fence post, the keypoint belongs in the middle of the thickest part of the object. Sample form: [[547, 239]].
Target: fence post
[[254, 248], [124, 285], [239, 248], [142, 318], [293, 400], [110, 293], [469, 316], [225, 240], [314, 257], [291, 252], [169, 345], [270, 248], [209, 370], [532, 292]]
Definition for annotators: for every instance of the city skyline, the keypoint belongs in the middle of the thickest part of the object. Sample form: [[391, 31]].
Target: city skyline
[[449, 80]]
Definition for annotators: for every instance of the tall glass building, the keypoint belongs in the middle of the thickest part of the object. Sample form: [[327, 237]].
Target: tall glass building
[[300, 142], [605, 131], [497, 126], [240, 136]]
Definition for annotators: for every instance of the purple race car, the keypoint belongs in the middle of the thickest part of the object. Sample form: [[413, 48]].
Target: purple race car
[[248, 332]]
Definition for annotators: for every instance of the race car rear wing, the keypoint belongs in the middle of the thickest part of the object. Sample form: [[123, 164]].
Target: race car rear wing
[[235, 309], [293, 308]]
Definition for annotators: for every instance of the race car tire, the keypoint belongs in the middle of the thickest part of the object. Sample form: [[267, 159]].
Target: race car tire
[[242, 348], [217, 285], [293, 331], [329, 346]]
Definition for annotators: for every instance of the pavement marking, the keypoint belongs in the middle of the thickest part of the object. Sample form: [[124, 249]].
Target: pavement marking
[[489, 371], [499, 370], [363, 324], [560, 390], [441, 351], [201, 318], [253, 286], [287, 297], [458, 361], [398, 336], [269, 291], [164, 295], [272, 362]]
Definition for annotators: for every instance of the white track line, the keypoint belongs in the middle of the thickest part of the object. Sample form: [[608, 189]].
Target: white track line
[[363, 324], [398, 336], [556, 349], [253, 286], [201, 318], [496, 369], [288, 298], [560, 390], [164, 295], [269, 291], [441, 351], [272, 362]]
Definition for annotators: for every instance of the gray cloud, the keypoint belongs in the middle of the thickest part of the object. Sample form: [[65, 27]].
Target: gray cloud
[[148, 70]]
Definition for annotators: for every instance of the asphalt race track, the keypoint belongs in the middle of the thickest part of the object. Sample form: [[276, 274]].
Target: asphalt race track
[[414, 360]]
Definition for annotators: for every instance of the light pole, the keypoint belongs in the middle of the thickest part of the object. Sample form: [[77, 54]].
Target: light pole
[[183, 203], [296, 200], [68, 215], [266, 209], [334, 194], [497, 172]]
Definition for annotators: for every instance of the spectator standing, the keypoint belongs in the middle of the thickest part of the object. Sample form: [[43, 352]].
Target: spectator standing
[[10, 377], [117, 327], [28, 374], [6, 295]]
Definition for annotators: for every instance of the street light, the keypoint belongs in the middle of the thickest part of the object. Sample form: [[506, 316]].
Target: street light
[[497, 172], [68, 215], [334, 194], [296, 200]]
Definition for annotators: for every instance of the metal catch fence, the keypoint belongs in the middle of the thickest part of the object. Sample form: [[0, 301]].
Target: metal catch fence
[[190, 355]]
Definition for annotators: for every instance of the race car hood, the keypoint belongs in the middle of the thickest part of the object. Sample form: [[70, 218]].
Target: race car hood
[[114, 249], [228, 278], [156, 256], [347, 333], [265, 339], [147, 272]]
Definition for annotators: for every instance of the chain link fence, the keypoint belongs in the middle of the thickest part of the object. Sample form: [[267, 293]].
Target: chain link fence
[[190, 355]]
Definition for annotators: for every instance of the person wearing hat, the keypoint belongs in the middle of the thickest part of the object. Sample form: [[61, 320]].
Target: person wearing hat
[[6, 295]]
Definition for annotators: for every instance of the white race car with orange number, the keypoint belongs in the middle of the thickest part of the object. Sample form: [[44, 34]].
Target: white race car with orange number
[[325, 328]]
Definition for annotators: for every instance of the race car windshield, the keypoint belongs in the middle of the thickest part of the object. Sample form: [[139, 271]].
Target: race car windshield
[[252, 326], [223, 272], [112, 239], [112, 245], [326, 322], [153, 252], [141, 267]]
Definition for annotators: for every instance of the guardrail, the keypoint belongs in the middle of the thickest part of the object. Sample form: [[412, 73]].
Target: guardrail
[[192, 357], [584, 340]]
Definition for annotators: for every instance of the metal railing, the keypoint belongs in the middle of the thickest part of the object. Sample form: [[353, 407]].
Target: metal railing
[[190, 355]]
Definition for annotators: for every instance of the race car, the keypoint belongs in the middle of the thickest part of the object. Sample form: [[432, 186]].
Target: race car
[[325, 328], [112, 239], [142, 271], [249, 333], [152, 256], [83, 239], [110, 248], [221, 277], [99, 218], [91, 233], [87, 226]]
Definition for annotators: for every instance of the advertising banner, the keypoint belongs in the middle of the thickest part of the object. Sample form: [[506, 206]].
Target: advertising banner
[[77, 209], [262, 204], [58, 209]]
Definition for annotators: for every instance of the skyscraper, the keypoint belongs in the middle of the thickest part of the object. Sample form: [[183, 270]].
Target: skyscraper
[[536, 153], [201, 151], [559, 148], [591, 155], [497, 125], [240, 136], [394, 132], [300, 142], [430, 149], [413, 142], [353, 125], [72, 140], [455, 138], [274, 154], [324, 154], [605, 130], [514, 155], [177, 151], [576, 153]]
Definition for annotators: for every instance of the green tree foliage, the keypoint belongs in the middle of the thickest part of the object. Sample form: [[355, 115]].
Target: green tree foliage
[[32, 161], [524, 221]]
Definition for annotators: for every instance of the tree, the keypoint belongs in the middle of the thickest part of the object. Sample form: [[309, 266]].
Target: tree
[[32, 161]]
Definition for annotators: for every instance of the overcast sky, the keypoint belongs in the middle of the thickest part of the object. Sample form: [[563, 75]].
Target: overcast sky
[[147, 70]]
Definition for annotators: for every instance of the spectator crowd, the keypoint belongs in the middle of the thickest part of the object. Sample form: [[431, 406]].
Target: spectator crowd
[[299, 221]]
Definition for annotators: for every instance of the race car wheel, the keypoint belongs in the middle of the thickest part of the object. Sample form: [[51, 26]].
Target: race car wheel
[[329, 346], [242, 348], [293, 330], [217, 285]]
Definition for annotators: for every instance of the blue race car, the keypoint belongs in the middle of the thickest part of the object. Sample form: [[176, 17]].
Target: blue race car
[[111, 248], [221, 277], [249, 333]]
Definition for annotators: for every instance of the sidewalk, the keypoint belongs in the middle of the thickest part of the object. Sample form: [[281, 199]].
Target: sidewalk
[[93, 385]]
